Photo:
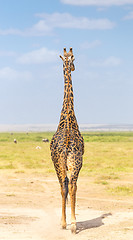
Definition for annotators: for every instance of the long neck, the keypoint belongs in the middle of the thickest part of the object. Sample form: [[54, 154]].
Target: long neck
[[67, 118], [68, 104]]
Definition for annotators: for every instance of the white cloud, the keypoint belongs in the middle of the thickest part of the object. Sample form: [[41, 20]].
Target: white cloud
[[129, 16], [98, 2], [11, 31], [88, 45], [42, 55], [8, 73], [49, 22], [7, 54], [39, 29], [109, 62], [66, 20]]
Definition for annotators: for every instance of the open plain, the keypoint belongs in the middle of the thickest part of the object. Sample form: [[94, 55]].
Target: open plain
[[30, 199]]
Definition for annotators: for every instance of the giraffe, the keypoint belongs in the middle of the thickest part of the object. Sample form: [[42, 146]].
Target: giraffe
[[67, 144]]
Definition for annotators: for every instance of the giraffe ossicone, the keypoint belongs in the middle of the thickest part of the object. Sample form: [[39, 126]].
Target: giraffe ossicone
[[67, 144]]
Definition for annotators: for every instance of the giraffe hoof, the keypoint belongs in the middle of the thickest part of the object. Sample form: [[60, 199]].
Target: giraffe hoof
[[73, 228], [63, 225]]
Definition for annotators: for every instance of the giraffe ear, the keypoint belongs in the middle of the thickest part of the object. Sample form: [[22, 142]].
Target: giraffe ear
[[73, 58], [61, 57], [71, 53], [65, 52], [71, 50]]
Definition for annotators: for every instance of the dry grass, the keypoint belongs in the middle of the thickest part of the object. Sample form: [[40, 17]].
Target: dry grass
[[105, 158]]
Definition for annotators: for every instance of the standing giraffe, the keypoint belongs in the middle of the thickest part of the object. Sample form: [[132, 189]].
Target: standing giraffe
[[67, 144]]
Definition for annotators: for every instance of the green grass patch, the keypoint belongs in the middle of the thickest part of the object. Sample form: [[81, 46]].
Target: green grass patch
[[122, 190], [25, 137], [108, 158], [108, 136], [101, 182], [24, 155], [106, 154]]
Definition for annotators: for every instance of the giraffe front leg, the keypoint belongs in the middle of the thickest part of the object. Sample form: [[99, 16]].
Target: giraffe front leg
[[72, 192], [63, 220]]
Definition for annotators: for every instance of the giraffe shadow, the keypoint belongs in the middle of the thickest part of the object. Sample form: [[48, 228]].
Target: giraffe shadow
[[94, 223]]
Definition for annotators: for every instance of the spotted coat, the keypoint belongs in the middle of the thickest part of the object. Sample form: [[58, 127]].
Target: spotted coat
[[67, 144]]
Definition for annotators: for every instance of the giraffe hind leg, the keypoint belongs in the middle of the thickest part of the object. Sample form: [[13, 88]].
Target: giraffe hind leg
[[64, 193], [63, 179], [74, 167], [63, 220], [61, 170], [72, 193]]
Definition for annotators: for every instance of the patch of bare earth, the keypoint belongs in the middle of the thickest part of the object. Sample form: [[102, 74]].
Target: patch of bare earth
[[30, 208]]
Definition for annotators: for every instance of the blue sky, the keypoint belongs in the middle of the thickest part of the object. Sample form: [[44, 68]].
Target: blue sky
[[33, 35]]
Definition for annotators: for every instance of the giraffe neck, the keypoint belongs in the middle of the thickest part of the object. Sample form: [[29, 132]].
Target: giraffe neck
[[67, 119], [68, 104]]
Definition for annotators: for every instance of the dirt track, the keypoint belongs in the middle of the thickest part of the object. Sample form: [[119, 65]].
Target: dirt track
[[30, 209]]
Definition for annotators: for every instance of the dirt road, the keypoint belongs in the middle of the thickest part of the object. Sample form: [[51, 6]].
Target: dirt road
[[30, 209]]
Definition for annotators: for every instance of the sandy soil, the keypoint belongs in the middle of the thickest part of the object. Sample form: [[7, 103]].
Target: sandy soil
[[30, 209]]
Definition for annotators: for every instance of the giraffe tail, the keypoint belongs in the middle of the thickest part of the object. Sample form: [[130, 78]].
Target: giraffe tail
[[65, 186]]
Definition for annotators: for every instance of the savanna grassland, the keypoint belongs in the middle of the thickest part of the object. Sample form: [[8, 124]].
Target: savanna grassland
[[30, 199], [108, 156]]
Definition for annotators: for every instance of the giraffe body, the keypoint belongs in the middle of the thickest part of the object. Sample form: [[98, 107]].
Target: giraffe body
[[67, 145]]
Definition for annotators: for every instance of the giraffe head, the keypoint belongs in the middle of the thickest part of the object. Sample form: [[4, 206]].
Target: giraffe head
[[68, 58]]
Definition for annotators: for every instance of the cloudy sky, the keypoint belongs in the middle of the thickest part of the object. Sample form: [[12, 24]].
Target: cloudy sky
[[33, 35]]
